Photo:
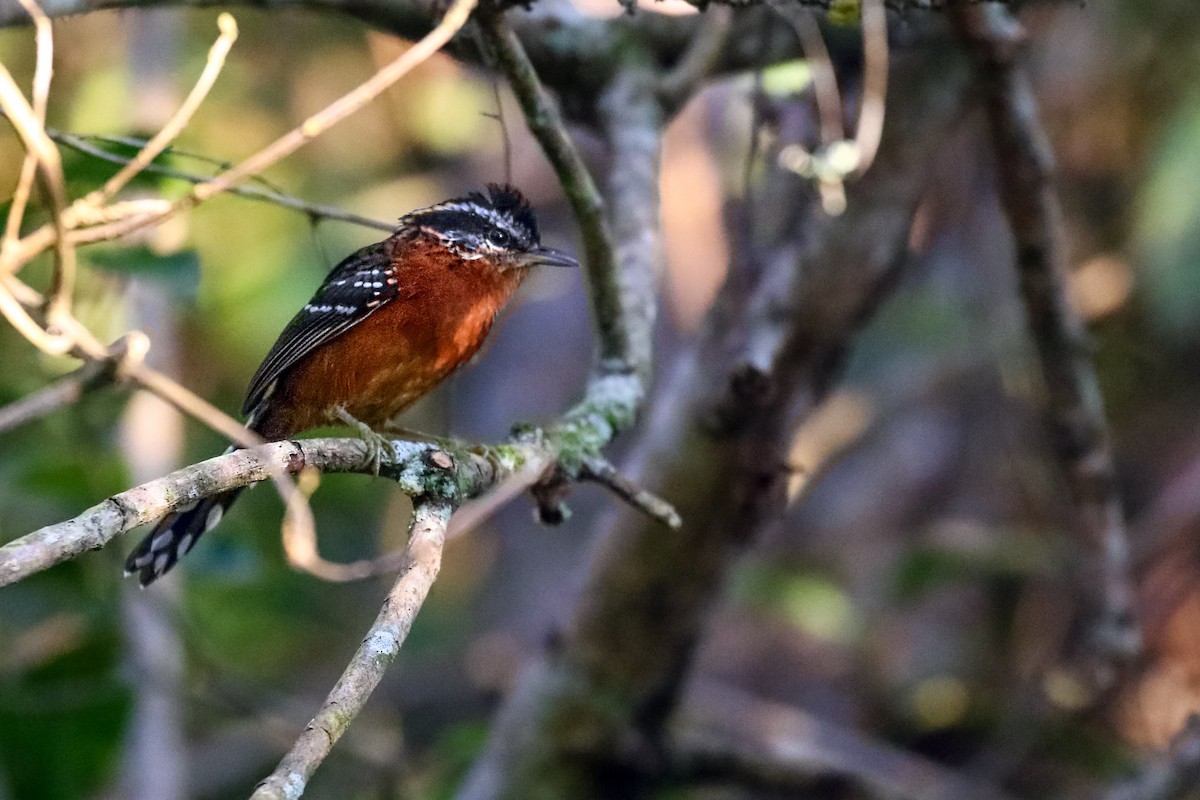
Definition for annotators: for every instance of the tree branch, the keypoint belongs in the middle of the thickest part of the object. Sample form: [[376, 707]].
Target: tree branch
[[573, 53], [596, 705], [547, 126], [423, 559], [82, 144], [420, 469], [1074, 406], [66, 390], [728, 733]]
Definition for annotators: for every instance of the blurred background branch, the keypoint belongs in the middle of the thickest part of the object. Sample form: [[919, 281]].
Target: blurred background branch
[[1074, 405]]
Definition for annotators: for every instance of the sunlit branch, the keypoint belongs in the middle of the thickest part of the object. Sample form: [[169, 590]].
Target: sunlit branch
[[179, 120]]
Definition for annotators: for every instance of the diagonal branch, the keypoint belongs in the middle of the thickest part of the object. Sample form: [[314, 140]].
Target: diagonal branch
[[548, 128], [28, 121], [419, 468], [41, 94], [66, 390], [179, 120], [379, 648], [37, 241], [723, 731], [84, 145], [1074, 407]]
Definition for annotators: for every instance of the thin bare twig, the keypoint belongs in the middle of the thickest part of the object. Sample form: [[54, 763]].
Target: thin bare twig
[[455, 17], [313, 210], [729, 732], [423, 557], [604, 473], [869, 131], [475, 512], [1074, 406], [179, 120], [41, 95], [824, 79], [64, 391], [29, 128], [547, 126], [699, 60], [300, 544], [19, 318]]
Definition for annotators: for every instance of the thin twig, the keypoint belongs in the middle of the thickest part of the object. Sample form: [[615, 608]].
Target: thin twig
[[41, 94], [179, 120], [698, 61], [824, 79], [729, 732], [1074, 406], [604, 473], [300, 545], [30, 129], [312, 210], [66, 390], [475, 512], [869, 131], [423, 557], [456, 16], [547, 126], [13, 311]]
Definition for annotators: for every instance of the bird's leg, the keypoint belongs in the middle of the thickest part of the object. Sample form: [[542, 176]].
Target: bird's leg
[[377, 445], [409, 433]]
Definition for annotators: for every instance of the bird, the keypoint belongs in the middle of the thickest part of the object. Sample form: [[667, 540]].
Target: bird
[[389, 323]]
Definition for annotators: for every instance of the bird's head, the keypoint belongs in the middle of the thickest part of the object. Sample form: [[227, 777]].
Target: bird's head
[[499, 228]]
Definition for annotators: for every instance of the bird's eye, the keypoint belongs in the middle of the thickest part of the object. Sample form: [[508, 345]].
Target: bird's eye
[[500, 238]]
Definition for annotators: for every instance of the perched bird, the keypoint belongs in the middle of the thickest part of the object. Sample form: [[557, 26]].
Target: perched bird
[[389, 323]]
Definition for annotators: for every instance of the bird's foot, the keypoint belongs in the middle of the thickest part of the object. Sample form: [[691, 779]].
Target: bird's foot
[[379, 447], [418, 436]]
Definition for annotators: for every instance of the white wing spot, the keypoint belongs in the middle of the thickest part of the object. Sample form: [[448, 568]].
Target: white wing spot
[[214, 516]]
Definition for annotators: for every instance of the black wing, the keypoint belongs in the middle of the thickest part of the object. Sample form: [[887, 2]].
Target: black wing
[[354, 289]]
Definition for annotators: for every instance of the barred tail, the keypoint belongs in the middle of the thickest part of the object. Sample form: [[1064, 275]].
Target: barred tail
[[175, 535]]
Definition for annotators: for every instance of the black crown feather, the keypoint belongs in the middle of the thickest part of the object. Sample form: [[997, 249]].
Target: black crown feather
[[471, 217]]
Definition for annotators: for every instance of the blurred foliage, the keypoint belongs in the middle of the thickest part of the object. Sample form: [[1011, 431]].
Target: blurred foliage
[[1168, 227]]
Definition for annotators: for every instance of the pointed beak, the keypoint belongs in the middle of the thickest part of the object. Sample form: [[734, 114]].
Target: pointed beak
[[549, 257]]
